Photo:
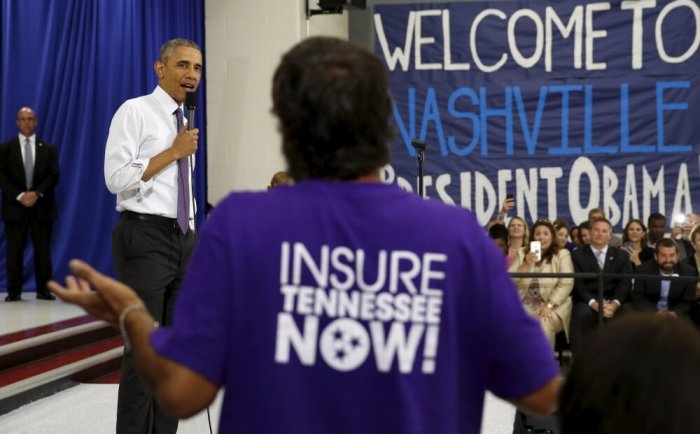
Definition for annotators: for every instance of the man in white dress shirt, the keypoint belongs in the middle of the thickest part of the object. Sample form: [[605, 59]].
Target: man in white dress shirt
[[148, 166]]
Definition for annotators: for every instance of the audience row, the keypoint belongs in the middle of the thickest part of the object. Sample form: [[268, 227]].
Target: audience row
[[641, 270]]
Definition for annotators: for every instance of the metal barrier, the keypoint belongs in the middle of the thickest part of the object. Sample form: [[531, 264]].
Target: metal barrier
[[600, 275]]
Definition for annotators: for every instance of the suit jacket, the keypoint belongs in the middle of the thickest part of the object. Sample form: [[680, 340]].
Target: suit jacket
[[685, 248], [12, 180], [647, 291], [690, 261], [614, 288]]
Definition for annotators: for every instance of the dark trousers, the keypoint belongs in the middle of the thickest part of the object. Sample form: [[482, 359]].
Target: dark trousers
[[150, 256], [584, 319], [16, 233]]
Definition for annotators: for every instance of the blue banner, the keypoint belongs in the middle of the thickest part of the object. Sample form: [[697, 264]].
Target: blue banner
[[568, 105]]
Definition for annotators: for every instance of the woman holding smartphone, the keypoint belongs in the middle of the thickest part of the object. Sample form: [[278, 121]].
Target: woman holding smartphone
[[546, 298], [636, 243]]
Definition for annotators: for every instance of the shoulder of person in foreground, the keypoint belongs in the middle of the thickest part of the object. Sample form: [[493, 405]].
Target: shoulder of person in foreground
[[623, 391]]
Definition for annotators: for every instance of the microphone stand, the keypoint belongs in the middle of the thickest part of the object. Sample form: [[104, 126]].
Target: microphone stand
[[420, 146], [190, 102]]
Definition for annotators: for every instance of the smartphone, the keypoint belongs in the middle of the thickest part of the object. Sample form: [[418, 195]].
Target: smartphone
[[536, 248], [629, 245], [510, 201], [680, 219]]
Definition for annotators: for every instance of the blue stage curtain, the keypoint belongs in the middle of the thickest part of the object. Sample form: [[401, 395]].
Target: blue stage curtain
[[75, 62]]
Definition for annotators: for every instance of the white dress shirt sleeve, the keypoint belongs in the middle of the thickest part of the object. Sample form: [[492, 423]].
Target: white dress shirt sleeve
[[124, 168]]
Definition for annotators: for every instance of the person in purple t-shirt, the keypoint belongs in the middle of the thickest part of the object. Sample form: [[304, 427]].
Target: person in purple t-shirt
[[339, 304]]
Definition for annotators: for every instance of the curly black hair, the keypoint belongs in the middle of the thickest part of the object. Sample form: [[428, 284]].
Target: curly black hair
[[332, 101]]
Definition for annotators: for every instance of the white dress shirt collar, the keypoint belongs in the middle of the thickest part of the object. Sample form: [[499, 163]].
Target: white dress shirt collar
[[165, 100], [31, 138], [604, 250]]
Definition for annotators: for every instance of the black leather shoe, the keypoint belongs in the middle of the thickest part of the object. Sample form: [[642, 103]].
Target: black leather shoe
[[45, 296], [11, 297]]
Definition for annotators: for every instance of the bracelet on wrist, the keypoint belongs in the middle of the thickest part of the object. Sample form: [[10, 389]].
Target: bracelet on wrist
[[122, 323]]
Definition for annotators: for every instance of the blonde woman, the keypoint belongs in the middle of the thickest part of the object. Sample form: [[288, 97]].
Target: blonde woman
[[518, 236]]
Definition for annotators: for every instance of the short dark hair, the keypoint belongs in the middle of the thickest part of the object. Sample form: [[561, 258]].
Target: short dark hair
[[665, 242], [595, 211], [604, 220], [499, 231], [332, 100], [637, 375], [655, 216], [167, 48]]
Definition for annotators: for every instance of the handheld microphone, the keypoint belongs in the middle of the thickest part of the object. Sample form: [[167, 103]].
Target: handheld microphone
[[191, 104]]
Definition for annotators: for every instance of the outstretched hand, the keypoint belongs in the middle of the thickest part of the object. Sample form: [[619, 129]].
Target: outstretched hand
[[108, 300]]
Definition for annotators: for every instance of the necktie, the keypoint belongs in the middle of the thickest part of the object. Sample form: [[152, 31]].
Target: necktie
[[28, 163], [601, 258], [183, 184]]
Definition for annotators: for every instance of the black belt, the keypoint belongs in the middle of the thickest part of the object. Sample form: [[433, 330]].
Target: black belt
[[153, 219]]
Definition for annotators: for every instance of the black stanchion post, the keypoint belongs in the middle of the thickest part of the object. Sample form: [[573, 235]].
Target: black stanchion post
[[420, 146]]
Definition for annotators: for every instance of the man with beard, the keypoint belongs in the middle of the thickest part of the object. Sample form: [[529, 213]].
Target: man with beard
[[666, 296]]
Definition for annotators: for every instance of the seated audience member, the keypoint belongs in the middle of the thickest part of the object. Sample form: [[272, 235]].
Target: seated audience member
[[657, 231], [599, 255], [639, 375], [280, 178], [694, 263], [671, 296], [584, 233], [518, 236], [598, 213], [680, 232], [636, 243], [257, 312], [563, 235], [499, 233], [575, 237], [546, 298], [656, 225]]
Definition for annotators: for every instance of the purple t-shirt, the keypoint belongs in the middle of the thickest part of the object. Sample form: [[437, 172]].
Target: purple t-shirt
[[332, 307]]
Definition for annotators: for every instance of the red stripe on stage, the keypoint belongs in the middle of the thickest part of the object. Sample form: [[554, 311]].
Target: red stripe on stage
[[19, 373], [45, 329]]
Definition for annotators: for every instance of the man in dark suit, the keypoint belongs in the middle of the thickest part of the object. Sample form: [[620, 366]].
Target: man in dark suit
[[591, 259], [28, 176], [664, 295]]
